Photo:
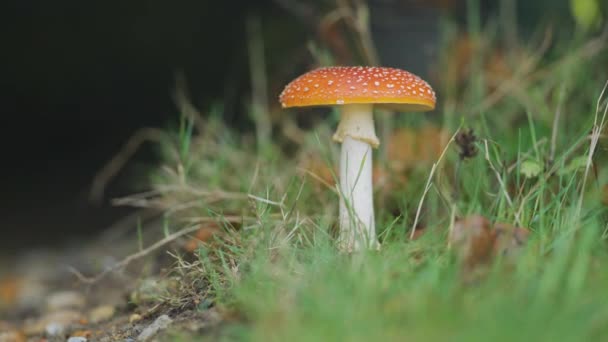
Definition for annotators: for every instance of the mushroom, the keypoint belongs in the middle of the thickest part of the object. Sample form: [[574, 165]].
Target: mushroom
[[356, 90]]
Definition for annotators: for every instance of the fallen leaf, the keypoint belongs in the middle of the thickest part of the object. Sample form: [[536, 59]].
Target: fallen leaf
[[472, 238], [9, 289], [509, 240], [385, 180], [204, 234], [430, 140], [317, 168], [418, 233], [401, 149], [477, 241]]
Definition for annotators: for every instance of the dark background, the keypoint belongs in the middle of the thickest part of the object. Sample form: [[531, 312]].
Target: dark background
[[78, 78]]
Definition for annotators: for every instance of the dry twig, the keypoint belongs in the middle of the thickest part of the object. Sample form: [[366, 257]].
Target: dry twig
[[129, 259], [111, 169], [427, 187]]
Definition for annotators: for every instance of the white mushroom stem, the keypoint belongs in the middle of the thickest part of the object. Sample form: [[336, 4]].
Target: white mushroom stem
[[357, 134]]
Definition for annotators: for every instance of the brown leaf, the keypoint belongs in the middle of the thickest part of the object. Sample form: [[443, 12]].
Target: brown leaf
[[418, 233], [431, 141], [472, 238], [9, 289], [203, 235], [386, 179], [318, 168], [477, 241], [407, 147], [401, 149], [509, 239]]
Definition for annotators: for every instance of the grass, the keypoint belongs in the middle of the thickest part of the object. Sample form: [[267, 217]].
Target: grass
[[275, 264]]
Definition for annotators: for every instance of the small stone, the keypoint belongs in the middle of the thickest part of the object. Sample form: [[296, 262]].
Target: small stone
[[101, 313], [54, 329], [77, 339], [161, 323], [135, 318], [65, 300], [52, 322]]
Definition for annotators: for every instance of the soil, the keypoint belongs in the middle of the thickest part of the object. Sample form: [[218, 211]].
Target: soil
[[44, 296]]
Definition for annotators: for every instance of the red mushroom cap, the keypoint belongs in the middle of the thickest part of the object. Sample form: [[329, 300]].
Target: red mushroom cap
[[390, 87]]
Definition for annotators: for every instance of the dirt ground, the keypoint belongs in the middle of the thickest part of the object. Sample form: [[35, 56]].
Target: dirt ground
[[47, 295]]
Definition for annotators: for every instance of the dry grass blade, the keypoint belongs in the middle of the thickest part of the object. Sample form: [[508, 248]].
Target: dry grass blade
[[427, 187], [521, 78], [503, 186], [129, 259], [111, 169], [596, 133]]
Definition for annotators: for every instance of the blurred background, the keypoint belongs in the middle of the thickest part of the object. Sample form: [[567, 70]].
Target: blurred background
[[79, 78]]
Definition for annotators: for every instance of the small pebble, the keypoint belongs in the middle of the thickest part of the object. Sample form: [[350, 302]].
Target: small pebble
[[161, 323], [65, 300], [52, 322], [101, 313], [135, 318], [54, 329], [77, 339]]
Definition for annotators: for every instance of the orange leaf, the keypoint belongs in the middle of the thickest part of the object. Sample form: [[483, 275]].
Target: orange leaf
[[204, 234], [509, 239], [472, 238], [9, 289]]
